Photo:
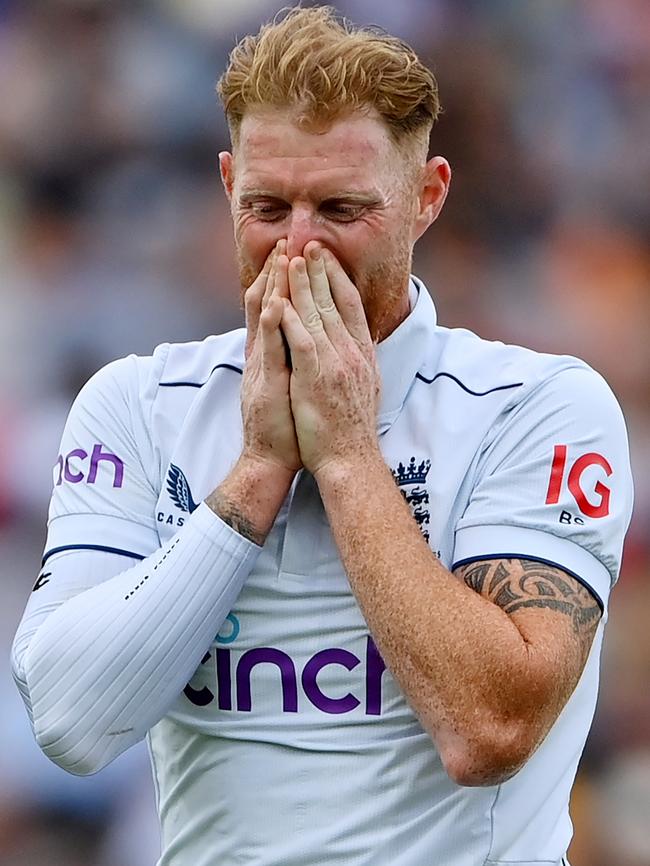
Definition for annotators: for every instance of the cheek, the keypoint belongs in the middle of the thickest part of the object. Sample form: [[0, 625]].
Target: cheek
[[360, 246], [254, 239], [358, 240]]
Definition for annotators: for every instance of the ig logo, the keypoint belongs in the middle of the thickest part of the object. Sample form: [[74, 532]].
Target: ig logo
[[597, 505]]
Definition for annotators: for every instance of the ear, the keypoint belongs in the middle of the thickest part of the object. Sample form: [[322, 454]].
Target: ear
[[434, 186], [226, 168]]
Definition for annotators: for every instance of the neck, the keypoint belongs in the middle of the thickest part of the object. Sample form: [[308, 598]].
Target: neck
[[384, 322]]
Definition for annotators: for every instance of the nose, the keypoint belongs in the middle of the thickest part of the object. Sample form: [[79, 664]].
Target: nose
[[303, 227]]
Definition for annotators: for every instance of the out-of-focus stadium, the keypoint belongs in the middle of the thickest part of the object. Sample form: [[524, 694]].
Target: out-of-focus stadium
[[115, 236]]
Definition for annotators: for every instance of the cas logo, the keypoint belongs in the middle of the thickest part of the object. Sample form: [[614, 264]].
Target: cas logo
[[180, 494]]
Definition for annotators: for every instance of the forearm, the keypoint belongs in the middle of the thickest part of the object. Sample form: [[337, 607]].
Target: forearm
[[462, 663], [107, 664], [249, 498]]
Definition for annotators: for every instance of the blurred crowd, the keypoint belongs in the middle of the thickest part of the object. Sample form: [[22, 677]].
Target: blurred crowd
[[115, 236]]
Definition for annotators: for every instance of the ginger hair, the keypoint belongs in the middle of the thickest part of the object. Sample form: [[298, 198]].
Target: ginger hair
[[321, 67]]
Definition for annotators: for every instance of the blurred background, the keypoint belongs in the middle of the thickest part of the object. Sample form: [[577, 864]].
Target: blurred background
[[115, 236]]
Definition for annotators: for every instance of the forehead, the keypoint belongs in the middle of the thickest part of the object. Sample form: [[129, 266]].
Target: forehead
[[354, 150]]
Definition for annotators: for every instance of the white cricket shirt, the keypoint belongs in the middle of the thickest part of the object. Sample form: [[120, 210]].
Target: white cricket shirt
[[291, 745]]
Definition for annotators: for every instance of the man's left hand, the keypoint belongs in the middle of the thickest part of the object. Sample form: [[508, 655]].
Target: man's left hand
[[335, 383]]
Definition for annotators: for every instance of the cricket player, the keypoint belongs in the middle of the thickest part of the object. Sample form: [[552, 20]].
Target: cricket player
[[346, 570]]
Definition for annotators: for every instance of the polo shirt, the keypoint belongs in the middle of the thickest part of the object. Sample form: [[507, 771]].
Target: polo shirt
[[290, 743]]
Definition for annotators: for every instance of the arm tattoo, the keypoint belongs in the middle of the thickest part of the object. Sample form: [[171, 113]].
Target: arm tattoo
[[513, 584], [234, 518]]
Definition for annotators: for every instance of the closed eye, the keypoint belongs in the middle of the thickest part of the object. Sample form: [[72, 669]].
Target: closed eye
[[342, 211], [268, 210]]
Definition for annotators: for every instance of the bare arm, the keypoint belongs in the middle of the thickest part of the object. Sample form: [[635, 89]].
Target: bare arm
[[487, 661]]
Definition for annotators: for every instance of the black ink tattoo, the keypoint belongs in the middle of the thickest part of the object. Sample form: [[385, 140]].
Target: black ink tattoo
[[235, 519], [474, 575], [515, 584]]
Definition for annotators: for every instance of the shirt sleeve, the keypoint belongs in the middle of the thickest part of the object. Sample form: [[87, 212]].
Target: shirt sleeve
[[104, 477], [117, 624], [554, 483]]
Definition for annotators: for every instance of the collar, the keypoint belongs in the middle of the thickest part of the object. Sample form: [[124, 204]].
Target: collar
[[402, 353]]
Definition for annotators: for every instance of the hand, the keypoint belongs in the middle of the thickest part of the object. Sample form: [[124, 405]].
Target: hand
[[335, 383], [269, 430]]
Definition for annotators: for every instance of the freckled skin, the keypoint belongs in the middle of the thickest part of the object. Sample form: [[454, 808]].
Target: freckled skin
[[301, 170], [324, 226]]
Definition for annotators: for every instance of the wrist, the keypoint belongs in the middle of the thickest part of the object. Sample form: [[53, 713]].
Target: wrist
[[251, 495], [341, 472]]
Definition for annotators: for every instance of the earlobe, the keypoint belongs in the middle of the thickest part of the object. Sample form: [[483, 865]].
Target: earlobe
[[226, 170], [433, 192]]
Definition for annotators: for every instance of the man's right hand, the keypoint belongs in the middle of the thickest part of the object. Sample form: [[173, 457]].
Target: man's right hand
[[269, 429], [249, 498]]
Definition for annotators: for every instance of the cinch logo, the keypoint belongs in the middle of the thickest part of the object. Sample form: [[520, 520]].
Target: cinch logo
[[239, 675], [599, 508], [68, 472]]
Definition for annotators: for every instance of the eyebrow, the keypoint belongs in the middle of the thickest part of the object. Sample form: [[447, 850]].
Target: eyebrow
[[343, 195]]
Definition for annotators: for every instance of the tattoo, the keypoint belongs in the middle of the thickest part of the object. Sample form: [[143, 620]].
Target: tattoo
[[234, 518], [514, 584]]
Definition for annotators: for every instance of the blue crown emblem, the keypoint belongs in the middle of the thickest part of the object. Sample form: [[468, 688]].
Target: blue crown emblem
[[413, 473], [179, 490]]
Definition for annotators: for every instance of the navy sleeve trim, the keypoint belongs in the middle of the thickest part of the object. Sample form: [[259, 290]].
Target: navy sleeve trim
[[464, 387], [563, 568], [201, 384], [101, 547]]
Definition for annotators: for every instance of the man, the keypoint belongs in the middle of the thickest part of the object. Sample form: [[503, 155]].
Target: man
[[402, 537]]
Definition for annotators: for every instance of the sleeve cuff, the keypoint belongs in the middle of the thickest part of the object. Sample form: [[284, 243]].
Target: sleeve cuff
[[100, 532], [509, 542]]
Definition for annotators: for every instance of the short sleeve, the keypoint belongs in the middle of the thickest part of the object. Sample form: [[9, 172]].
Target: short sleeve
[[554, 482], [104, 489]]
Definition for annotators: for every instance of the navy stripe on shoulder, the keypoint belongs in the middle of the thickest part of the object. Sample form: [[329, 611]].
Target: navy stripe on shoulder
[[101, 547], [550, 562], [464, 387], [201, 384]]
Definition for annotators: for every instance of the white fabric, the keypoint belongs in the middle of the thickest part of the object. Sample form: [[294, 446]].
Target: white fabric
[[291, 744], [102, 653]]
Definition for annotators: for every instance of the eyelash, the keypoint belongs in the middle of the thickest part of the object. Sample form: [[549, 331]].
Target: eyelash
[[271, 213]]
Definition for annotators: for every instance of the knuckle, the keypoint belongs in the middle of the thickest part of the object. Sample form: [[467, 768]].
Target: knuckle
[[327, 306], [304, 345], [314, 322]]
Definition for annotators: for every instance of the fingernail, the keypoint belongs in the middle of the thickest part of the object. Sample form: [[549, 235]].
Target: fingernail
[[314, 254]]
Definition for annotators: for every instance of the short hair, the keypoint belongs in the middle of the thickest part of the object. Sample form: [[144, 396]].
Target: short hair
[[323, 67]]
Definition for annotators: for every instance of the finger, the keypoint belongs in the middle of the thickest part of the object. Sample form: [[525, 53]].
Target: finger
[[271, 340], [302, 348], [279, 250], [347, 299], [302, 300], [282, 275], [322, 295], [253, 300]]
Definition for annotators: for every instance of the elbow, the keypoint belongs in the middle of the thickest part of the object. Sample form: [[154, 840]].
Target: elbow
[[74, 754], [488, 759], [63, 726]]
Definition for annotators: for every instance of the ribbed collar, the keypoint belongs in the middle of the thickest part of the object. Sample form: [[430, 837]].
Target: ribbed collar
[[402, 353]]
